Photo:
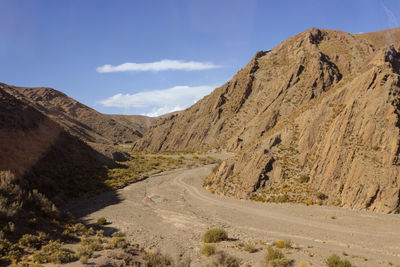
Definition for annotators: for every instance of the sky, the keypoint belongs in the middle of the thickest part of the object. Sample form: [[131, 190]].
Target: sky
[[155, 57]]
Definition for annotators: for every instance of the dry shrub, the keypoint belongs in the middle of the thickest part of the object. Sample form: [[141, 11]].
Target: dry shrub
[[215, 235], [208, 250], [335, 261], [224, 260], [54, 252], [275, 258], [157, 260]]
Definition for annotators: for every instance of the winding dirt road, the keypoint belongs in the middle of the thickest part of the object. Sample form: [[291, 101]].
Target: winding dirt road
[[170, 212]]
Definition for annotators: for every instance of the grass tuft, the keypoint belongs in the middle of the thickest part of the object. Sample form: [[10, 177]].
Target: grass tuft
[[275, 258], [208, 250], [335, 261], [215, 235], [101, 221]]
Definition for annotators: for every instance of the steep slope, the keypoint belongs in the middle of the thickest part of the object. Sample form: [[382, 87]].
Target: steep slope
[[322, 105], [40, 164], [82, 121]]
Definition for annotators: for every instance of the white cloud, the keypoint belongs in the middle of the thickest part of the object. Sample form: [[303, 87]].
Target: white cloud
[[162, 65], [157, 102], [155, 112]]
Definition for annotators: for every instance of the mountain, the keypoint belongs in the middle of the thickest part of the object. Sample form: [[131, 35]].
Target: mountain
[[82, 121], [100, 131], [41, 164], [316, 119]]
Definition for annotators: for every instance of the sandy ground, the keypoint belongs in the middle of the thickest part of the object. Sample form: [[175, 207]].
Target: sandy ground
[[170, 212]]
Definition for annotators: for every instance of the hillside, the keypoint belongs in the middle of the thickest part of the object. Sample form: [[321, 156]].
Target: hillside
[[82, 121], [40, 164], [313, 120]]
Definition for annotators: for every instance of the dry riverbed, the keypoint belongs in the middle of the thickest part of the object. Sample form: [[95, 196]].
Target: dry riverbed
[[170, 211]]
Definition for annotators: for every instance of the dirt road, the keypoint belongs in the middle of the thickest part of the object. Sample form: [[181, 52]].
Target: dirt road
[[170, 211]]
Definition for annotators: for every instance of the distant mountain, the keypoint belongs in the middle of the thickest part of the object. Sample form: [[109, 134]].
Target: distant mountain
[[316, 119], [85, 122]]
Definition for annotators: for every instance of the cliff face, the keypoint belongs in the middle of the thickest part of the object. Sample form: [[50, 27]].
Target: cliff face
[[323, 105]]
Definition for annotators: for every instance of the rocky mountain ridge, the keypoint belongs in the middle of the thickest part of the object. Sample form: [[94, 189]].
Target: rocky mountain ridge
[[100, 131], [322, 105], [83, 121]]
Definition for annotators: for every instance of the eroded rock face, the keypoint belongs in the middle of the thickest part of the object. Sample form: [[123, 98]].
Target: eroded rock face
[[323, 104]]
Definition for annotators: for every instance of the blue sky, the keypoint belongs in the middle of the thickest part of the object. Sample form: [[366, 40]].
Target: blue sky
[[177, 51]]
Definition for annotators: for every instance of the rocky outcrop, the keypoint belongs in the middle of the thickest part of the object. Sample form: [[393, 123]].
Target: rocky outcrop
[[323, 105]]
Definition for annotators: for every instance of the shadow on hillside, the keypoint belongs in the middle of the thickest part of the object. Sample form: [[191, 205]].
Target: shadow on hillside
[[69, 172], [39, 161]]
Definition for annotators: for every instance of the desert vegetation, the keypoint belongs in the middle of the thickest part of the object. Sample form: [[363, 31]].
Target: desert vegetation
[[101, 221], [250, 248], [155, 259], [143, 164], [34, 250], [215, 235], [208, 250], [283, 243], [275, 258], [32, 225], [54, 252], [335, 261]]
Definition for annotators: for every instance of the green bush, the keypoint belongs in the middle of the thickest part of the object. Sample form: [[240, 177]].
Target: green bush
[[215, 235], [117, 242], [30, 241], [208, 250], [92, 243], [335, 261], [54, 252], [84, 253], [79, 228], [101, 221], [275, 258], [87, 248]]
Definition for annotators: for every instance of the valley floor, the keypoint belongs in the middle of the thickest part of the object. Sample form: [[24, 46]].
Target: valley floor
[[170, 211]]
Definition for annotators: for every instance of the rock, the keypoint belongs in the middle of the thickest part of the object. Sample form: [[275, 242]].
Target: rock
[[333, 98]]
